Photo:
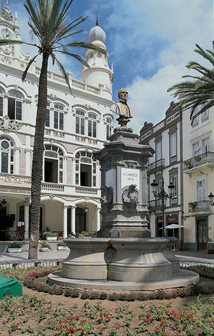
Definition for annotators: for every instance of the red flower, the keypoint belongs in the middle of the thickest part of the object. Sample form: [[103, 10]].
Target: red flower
[[148, 318], [71, 330], [174, 313], [180, 315], [62, 322], [100, 319], [190, 318]]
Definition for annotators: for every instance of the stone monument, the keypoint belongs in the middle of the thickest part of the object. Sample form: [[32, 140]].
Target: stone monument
[[123, 110], [123, 256], [124, 179]]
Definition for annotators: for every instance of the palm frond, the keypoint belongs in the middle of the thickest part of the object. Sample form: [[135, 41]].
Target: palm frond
[[205, 54], [28, 66], [6, 42], [62, 69], [76, 56], [66, 29]]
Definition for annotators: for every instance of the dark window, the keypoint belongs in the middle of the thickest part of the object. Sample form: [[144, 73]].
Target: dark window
[[1, 106], [47, 118], [14, 109]]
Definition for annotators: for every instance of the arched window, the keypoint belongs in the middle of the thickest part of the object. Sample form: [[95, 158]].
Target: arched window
[[53, 164], [92, 125], [85, 169], [1, 102], [108, 128], [7, 155], [55, 116], [58, 116], [15, 99], [80, 122]]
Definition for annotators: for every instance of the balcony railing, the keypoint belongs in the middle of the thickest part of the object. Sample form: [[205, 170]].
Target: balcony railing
[[159, 164], [201, 159], [22, 184], [156, 204], [47, 186], [200, 206], [86, 190]]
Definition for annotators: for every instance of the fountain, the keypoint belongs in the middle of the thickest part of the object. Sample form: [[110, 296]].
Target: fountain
[[123, 256]]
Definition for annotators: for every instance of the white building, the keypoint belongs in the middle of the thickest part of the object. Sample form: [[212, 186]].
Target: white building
[[77, 124], [165, 167], [198, 181]]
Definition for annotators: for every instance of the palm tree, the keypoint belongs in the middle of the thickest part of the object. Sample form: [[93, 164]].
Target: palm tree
[[49, 23], [196, 94]]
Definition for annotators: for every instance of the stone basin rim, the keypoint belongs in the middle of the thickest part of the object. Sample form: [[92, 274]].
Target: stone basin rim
[[134, 240]]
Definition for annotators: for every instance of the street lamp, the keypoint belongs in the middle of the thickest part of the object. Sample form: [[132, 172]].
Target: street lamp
[[162, 194], [211, 197], [3, 203]]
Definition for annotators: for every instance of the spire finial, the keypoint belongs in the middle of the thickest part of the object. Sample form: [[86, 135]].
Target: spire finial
[[97, 20]]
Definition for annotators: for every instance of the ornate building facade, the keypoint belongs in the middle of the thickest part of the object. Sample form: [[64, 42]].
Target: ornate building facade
[[77, 124]]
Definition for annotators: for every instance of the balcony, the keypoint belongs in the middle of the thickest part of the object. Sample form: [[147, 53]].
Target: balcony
[[201, 207], [206, 159], [52, 187], [156, 204], [19, 184], [86, 190], [157, 165]]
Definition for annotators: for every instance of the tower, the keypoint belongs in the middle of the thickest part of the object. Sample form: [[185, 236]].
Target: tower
[[98, 74], [9, 29]]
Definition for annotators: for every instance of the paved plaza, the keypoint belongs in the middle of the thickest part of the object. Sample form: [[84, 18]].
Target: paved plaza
[[59, 255]]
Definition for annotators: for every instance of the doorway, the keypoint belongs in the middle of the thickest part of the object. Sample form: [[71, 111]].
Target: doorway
[[80, 220], [51, 170], [3, 225], [202, 233]]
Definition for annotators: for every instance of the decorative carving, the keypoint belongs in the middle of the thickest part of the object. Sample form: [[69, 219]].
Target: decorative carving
[[51, 197], [129, 164], [130, 195], [7, 50], [14, 179], [106, 196], [6, 13], [6, 124], [6, 59]]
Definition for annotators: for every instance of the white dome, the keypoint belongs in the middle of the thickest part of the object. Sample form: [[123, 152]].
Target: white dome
[[97, 34]]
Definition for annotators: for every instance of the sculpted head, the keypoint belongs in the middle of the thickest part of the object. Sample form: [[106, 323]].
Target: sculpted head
[[123, 94]]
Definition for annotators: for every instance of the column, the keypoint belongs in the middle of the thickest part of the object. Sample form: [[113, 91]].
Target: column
[[73, 219], [98, 218], [65, 224], [26, 219]]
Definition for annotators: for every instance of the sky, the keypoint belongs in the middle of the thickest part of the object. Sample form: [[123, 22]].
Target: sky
[[149, 44]]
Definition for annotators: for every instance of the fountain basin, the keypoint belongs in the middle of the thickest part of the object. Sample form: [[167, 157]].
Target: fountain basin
[[86, 259], [122, 264]]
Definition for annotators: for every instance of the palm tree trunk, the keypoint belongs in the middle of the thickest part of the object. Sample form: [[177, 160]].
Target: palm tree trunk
[[37, 165]]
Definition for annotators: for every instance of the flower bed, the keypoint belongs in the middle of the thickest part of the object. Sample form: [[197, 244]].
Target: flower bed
[[40, 315]]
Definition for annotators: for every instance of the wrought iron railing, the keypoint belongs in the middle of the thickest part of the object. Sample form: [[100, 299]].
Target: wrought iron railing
[[205, 158], [156, 204], [199, 206], [159, 164]]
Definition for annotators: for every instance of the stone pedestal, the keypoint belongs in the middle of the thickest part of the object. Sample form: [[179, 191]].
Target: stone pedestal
[[124, 186]]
